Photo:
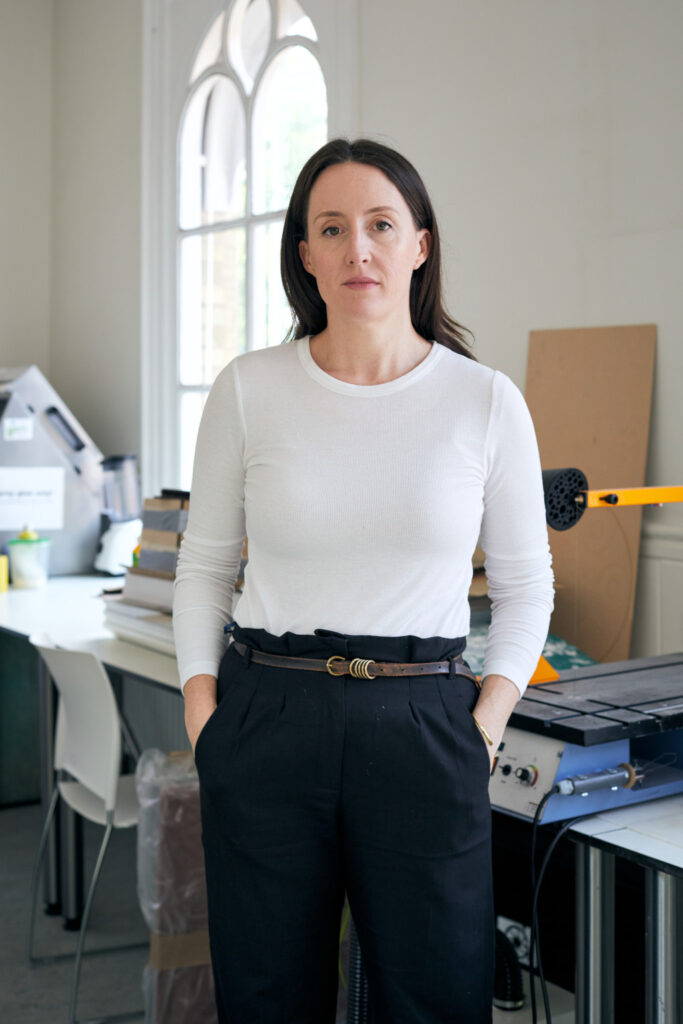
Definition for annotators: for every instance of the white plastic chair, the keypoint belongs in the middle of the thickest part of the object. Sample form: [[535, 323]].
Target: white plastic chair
[[87, 747]]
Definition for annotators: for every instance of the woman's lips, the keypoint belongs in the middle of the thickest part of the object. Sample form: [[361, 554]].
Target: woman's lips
[[360, 283]]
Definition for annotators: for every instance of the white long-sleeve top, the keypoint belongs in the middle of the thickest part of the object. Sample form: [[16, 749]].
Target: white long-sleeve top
[[363, 506]]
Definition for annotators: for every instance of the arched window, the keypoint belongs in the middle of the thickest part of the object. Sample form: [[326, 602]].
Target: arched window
[[255, 109], [235, 97]]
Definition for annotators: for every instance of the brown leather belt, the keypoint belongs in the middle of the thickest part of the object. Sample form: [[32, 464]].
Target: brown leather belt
[[359, 668]]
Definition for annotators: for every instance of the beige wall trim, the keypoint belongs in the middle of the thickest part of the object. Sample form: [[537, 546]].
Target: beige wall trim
[[663, 543]]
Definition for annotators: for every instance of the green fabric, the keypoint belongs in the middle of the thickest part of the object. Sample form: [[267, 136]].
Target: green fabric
[[561, 654]]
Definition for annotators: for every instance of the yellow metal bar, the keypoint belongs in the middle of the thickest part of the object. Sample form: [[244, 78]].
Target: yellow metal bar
[[607, 498]]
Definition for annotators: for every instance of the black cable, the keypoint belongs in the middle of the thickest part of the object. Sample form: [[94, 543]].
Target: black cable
[[535, 941], [535, 944], [537, 817], [596, 780]]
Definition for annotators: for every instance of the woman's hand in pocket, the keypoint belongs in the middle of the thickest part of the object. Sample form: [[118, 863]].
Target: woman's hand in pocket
[[200, 704], [496, 703]]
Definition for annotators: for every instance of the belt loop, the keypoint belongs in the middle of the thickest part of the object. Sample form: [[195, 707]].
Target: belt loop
[[452, 674], [246, 655]]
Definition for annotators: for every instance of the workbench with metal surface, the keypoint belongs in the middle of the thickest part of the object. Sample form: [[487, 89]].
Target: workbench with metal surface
[[607, 741]]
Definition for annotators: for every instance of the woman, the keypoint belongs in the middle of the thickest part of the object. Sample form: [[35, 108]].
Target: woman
[[341, 743]]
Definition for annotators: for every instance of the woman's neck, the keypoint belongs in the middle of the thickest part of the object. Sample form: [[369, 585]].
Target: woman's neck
[[368, 354]]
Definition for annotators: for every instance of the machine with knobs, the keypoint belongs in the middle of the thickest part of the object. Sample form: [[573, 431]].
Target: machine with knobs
[[598, 737]]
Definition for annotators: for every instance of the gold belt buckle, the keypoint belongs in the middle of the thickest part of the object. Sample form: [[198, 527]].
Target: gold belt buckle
[[360, 668]]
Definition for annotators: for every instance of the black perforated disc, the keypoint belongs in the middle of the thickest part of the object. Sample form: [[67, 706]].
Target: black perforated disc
[[561, 488]]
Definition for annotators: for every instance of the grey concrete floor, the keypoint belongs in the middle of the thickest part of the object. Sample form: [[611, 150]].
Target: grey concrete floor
[[110, 983]]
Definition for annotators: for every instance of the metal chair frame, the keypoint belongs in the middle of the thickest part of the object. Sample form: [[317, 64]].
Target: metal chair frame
[[80, 952]]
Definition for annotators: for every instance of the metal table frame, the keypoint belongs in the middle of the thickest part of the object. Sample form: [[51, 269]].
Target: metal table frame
[[595, 966]]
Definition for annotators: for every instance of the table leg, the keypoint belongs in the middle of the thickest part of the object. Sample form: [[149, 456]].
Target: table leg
[[660, 948], [594, 936], [63, 872], [52, 887], [129, 737], [72, 868]]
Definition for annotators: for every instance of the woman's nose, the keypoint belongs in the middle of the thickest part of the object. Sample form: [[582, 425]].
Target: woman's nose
[[358, 249]]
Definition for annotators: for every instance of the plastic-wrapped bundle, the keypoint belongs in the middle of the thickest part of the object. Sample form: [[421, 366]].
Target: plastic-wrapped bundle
[[177, 984]]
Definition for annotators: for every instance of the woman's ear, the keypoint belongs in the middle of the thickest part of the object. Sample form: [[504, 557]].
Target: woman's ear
[[303, 253], [425, 243]]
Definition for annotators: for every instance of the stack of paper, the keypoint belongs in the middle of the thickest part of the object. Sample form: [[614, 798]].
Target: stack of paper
[[144, 626]]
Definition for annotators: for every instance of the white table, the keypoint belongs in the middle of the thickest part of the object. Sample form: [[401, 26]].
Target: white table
[[651, 834], [70, 610], [65, 608]]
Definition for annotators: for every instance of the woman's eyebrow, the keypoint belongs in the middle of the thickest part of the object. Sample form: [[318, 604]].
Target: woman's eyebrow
[[338, 213]]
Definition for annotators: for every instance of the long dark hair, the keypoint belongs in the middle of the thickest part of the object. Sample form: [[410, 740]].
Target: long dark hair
[[427, 312]]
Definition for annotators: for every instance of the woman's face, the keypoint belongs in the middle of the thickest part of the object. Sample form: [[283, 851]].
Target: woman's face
[[362, 245]]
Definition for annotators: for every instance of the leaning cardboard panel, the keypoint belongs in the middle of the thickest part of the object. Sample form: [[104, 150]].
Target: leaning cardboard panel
[[589, 392], [178, 984]]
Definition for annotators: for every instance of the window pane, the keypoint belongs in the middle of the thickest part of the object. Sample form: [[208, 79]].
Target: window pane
[[210, 50], [191, 408], [272, 316], [248, 38], [290, 123], [212, 314], [293, 21], [212, 155]]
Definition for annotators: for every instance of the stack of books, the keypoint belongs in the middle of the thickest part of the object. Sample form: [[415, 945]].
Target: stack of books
[[150, 582], [139, 625], [142, 613]]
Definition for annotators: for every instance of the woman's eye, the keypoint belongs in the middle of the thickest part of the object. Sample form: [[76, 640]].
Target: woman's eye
[[332, 230], [383, 225]]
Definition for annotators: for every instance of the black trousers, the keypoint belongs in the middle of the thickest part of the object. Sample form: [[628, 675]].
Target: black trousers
[[313, 785]]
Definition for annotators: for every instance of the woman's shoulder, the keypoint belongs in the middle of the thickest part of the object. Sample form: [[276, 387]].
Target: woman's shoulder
[[472, 369], [258, 366], [481, 386], [469, 372], [267, 358]]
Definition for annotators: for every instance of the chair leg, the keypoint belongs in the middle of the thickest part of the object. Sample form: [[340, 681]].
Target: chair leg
[[36, 872], [84, 922]]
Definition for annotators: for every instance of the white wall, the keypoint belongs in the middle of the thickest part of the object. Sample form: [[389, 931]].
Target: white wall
[[95, 316], [547, 132], [25, 181], [70, 112], [549, 136]]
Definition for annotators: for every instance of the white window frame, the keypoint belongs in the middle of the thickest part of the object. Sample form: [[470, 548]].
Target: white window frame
[[172, 33]]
